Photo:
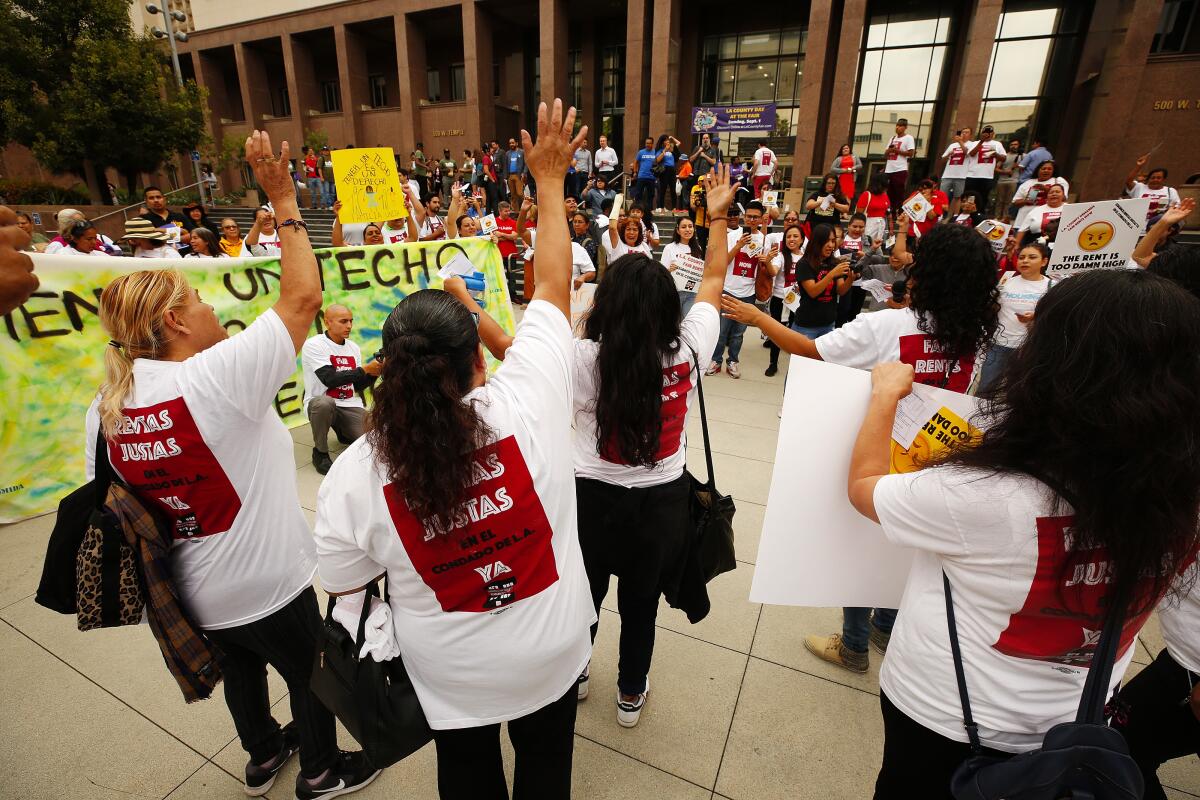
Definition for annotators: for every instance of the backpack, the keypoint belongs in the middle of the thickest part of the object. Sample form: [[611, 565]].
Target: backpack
[[1080, 760]]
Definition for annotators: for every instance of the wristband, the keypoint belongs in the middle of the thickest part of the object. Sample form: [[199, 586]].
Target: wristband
[[711, 220], [294, 223]]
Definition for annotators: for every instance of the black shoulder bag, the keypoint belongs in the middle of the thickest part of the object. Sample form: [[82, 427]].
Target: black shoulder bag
[[375, 701], [1080, 760], [711, 512]]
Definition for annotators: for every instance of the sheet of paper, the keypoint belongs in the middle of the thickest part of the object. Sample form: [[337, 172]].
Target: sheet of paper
[[618, 202], [879, 290], [917, 207], [688, 272], [1098, 235], [791, 299], [460, 265], [911, 415]]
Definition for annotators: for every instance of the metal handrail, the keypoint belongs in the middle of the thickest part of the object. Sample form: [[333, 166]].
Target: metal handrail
[[140, 202]]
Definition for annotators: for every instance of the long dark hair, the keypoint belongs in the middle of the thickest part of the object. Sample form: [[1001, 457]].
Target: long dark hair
[[953, 289], [789, 268], [693, 244], [635, 317], [1110, 359], [837, 186], [421, 430], [878, 184], [817, 240], [210, 239]]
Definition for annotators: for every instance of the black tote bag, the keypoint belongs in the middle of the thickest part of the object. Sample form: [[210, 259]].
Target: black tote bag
[[375, 700], [711, 512]]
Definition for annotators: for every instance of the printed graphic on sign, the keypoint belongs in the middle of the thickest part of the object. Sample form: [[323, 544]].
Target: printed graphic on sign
[[925, 356], [996, 233], [499, 550], [368, 185], [1098, 235], [488, 224], [941, 431], [342, 364], [1063, 614], [917, 208], [770, 199], [161, 454], [688, 273]]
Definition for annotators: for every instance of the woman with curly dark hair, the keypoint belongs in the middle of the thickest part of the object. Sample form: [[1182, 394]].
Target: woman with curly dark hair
[[1060, 519], [952, 315], [463, 494]]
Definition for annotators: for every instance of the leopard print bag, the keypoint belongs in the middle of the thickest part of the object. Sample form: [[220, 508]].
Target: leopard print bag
[[107, 577]]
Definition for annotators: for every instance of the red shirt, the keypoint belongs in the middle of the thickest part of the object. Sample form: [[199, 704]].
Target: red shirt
[[874, 205], [310, 166], [509, 225]]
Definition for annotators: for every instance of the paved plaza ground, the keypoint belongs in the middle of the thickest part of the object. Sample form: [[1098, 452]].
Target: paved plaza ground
[[738, 708]]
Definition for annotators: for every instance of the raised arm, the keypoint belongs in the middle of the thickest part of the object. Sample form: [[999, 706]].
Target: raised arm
[[1138, 165], [494, 338], [299, 278], [1145, 251], [788, 340], [718, 194], [871, 458], [548, 161], [455, 210], [336, 236]]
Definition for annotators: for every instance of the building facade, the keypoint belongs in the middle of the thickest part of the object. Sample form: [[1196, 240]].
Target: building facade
[[1102, 82]]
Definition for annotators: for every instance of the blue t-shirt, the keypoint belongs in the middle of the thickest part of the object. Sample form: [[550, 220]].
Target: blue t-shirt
[[645, 159], [668, 158], [514, 161], [1033, 159]]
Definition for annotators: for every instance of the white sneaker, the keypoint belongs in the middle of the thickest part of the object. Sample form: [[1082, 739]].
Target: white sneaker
[[628, 714], [734, 370], [714, 368], [581, 684]]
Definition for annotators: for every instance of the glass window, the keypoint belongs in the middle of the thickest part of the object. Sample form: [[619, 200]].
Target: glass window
[[378, 84], [281, 103], [1035, 22], [433, 85], [1018, 68], [612, 79], [575, 77], [788, 83], [331, 97], [728, 47], [725, 86], [757, 45], [458, 82], [1178, 30], [755, 82], [1011, 118]]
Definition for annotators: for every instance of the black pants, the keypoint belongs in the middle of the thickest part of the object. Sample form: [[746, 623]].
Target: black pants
[[287, 640], [776, 309], [470, 766], [916, 761], [982, 187], [1151, 715], [665, 197], [849, 304], [637, 535]]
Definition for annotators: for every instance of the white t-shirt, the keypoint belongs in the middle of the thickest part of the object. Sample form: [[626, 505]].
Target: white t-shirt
[[1017, 296], [781, 285], [672, 251], [394, 235], [268, 244], [739, 275], [764, 162], [1027, 635], [223, 470], [321, 351], [71, 251], [492, 620], [1037, 218], [1033, 189], [162, 251], [606, 159], [1160, 199], [899, 161], [1179, 618], [352, 234], [698, 337], [956, 166], [983, 163], [581, 262], [620, 249], [892, 334], [431, 224]]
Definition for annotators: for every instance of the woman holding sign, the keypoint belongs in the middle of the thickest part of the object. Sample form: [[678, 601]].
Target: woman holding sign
[[683, 243], [951, 317], [1057, 521], [1041, 217], [187, 413], [463, 494]]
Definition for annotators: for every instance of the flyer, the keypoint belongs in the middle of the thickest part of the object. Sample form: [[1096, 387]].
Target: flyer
[[687, 272], [1099, 235]]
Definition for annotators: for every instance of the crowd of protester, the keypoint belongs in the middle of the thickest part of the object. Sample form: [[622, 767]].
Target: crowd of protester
[[1060, 518]]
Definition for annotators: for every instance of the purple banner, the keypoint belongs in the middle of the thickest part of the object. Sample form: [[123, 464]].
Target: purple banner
[[712, 119]]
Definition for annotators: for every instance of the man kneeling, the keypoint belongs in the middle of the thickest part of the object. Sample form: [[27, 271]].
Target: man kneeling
[[333, 381]]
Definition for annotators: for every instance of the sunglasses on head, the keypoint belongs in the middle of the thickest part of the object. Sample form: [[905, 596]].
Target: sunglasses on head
[[79, 226]]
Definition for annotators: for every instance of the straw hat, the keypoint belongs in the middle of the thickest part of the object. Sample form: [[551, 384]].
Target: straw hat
[[139, 228]]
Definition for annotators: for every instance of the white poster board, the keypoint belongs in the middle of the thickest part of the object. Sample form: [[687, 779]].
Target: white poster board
[[996, 232], [816, 549], [687, 272], [917, 207], [1098, 235]]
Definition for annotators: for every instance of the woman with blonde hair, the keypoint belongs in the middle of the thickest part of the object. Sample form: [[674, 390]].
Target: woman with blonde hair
[[186, 415]]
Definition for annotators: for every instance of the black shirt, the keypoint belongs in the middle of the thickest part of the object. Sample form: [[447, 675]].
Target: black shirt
[[815, 312], [832, 216], [162, 222]]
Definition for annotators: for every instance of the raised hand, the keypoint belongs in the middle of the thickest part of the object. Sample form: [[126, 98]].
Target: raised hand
[[734, 309], [554, 151], [718, 191], [337, 208], [1179, 211], [272, 173], [892, 379], [17, 281], [1141, 162]]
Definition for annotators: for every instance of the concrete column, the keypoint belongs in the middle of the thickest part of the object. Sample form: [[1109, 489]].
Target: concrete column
[[256, 99], [352, 77], [299, 111], [664, 69], [552, 41], [981, 38], [410, 61], [840, 97], [820, 21], [302, 77], [477, 57], [636, 80], [208, 77], [1098, 176]]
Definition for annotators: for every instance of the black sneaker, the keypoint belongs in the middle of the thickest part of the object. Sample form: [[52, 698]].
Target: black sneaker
[[259, 778], [321, 461], [349, 773], [772, 369]]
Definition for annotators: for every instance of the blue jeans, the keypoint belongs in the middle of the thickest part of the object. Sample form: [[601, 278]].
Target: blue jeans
[[316, 192], [731, 334], [686, 301], [856, 626], [813, 333], [330, 193], [993, 364]]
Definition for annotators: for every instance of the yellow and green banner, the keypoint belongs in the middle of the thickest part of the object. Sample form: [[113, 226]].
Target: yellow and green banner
[[52, 347]]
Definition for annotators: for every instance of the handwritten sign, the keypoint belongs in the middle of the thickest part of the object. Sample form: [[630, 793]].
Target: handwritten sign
[[368, 185]]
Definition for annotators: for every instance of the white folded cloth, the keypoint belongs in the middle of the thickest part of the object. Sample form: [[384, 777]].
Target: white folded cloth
[[379, 638]]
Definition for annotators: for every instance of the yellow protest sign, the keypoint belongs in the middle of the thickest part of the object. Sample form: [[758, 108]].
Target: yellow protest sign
[[941, 431], [368, 185]]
